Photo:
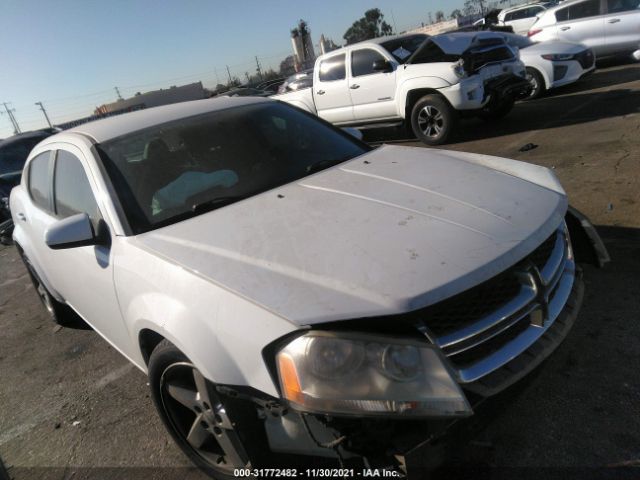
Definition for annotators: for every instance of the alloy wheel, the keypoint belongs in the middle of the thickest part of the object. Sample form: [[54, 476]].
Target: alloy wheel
[[199, 417], [430, 121]]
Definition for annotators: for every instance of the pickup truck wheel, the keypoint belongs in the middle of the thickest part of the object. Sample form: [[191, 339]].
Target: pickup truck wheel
[[433, 120], [537, 83], [192, 412], [497, 110]]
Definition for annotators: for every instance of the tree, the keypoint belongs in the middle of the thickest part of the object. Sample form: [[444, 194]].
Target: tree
[[287, 66], [439, 16], [455, 14], [372, 25], [472, 7]]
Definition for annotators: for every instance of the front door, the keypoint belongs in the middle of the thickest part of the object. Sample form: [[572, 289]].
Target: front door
[[372, 92], [582, 22], [622, 26]]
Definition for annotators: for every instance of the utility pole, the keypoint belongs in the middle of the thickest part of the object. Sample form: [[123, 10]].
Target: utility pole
[[215, 69], [395, 27], [229, 73], [118, 92], [45, 113], [258, 68], [14, 122]]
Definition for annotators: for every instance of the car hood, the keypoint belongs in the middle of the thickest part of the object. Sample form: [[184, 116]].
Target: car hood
[[393, 230]]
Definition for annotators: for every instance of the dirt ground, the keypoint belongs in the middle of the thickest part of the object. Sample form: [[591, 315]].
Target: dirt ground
[[72, 407]]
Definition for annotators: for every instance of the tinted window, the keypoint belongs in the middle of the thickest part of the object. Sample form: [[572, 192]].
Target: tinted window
[[14, 153], [72, 189], [362, 61], [617, 6], [590, 8], [176, 170], [332, 69], [39, 181]]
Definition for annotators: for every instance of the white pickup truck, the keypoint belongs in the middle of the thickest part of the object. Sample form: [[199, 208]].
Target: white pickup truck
[[422, 81]]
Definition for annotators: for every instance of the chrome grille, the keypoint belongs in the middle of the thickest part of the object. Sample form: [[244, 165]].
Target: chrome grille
[[488, 325]]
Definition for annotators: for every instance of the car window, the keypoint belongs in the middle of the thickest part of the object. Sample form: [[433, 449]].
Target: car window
[[39, 181], [72, 190], [590, 8], [617, 6], [332, 68], [223, 155], [362, 61]]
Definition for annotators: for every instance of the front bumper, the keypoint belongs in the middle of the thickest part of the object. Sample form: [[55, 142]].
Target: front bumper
[[474, 93]]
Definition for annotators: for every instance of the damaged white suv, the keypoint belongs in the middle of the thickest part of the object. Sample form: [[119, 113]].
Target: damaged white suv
[[291, 291]]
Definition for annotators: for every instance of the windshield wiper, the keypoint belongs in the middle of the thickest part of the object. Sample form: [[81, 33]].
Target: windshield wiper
[[215, 203]]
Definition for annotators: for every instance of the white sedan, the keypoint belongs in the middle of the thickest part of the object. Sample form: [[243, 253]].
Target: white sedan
[[553, 63], [287, 288]]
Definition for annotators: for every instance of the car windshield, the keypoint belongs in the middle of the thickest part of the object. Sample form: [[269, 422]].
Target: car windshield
[[402, 48], [180, 169]]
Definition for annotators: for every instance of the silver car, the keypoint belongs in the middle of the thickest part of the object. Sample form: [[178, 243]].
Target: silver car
[[609, 27]]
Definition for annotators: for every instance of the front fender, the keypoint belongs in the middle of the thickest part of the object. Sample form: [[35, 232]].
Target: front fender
[[417, 83]]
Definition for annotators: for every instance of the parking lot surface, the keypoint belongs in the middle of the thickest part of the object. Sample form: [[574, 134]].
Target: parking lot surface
[[71, 406]]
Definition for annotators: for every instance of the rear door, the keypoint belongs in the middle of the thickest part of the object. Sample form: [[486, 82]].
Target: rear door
[[331, 89], [372, 92], [582, 22], [622, 26]]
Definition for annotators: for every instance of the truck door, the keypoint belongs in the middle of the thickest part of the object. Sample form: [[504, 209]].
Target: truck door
[[331, 90], [372, 87]]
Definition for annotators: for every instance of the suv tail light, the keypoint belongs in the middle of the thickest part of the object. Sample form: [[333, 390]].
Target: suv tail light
[[533, 31]]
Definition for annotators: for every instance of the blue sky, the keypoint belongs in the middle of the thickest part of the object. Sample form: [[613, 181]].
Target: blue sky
[[70, 54]]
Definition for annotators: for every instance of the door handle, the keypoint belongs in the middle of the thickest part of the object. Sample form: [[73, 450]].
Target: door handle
[[320, 92], [565, 28], [354, 86], [614, 20], [21, 217]]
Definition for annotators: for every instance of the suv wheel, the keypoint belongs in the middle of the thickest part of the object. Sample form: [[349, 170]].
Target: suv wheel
[[193, 413], [433, 120]]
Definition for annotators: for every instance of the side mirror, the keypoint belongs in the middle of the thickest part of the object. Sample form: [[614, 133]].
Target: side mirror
[[354, 132], [381, 65], [74, 231]]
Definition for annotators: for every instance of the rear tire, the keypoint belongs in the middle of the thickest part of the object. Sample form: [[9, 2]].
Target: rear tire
[[433, 120], [191, 411], [537, 83]]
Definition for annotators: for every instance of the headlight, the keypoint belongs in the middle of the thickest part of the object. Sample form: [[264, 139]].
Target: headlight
[[332, 373], [458, 69], [558, 57]]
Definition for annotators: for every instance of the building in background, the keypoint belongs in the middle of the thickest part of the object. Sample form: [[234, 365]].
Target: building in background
[[155, 98], [303, 53]]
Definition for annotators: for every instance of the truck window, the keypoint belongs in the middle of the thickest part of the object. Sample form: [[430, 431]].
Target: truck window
[[362, 61], [332, 68]]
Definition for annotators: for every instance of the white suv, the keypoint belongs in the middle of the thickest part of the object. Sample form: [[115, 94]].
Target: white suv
[[289, 289], [521, 18], [608, 27]]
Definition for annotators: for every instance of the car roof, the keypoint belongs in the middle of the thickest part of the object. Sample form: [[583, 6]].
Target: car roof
[[526, 5], [113, 127], [20, 137]]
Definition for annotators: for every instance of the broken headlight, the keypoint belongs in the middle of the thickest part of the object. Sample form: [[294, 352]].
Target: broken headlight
[[458, 69], [360, 374]]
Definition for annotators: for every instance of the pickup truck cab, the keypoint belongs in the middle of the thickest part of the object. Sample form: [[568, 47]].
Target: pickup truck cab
[[415, 79]]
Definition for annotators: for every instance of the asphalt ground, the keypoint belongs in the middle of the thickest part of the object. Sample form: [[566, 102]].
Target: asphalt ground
[[72, 407]]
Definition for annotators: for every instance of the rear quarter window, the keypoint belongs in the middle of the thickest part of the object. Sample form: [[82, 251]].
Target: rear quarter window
[[39, 180]]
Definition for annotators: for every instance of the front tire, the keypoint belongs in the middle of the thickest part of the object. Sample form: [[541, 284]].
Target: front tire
[[433, 120], [192, 412], [537, 83]]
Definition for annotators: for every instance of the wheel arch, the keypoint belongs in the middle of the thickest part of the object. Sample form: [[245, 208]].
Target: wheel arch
[[148, 340], [543, 74], [416, 94]]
